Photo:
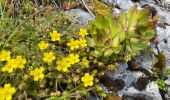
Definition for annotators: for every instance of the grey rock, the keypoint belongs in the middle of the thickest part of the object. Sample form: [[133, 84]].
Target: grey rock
[[110, 2], [124, 4], [164, 35], [91, 97], [168, 91], [167, 97], [151, 93], [147, 2], [145, 61], [166, 1], [127, 76], [116, 11], [153, 89], [80, 16], [168, 84], [164, 15], [168, 81]]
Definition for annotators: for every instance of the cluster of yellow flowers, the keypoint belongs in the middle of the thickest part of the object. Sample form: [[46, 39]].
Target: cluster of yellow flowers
[[55, 36], [6, 92], [75, 44], [65, 63], [12, 63]]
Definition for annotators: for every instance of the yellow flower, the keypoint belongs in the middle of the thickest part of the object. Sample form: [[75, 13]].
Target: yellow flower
[[7, 92], [85, 62], [10, 66], [82, 42], [37, 73], [73, 58], [55, 36], [73, 44], [5, 55], [49, 57], [42, 45], [62, 65], [20, 62], [87, 80], [83, 32]]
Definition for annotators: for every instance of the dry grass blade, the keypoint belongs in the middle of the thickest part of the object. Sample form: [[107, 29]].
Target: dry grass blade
[[86, 6]]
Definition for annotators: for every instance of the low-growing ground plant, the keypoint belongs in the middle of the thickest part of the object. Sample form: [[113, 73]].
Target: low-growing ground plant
[[122, 37], [45, 56]]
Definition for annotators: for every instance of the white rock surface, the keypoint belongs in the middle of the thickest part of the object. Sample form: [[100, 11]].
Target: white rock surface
[[167, 1], [164, 35], [150, 93], [124, 4]]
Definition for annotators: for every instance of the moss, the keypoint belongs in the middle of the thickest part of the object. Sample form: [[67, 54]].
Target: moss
[[161, 62], [101, 8]]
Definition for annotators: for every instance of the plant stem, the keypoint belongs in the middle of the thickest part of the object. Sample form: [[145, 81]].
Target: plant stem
[[75, 88], [4, 79]]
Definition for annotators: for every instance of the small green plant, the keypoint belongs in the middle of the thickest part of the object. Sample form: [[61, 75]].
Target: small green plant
[[124, 35], [159, 72], [162, 85]]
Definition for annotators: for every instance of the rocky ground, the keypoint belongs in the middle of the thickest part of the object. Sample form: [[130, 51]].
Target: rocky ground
[[128, 81]]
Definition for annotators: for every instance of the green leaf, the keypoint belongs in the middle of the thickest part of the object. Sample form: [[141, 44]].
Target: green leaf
[[123, 18], [108, 52], [132, 16], [115, 42], [96, 54], [167, 71], [101, 22], [161, 84], [90, 42]]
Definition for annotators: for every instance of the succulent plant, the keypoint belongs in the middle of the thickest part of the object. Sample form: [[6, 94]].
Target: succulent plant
[[124, 35]]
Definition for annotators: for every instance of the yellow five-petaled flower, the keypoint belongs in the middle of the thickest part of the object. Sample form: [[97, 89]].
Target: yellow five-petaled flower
[[63, 65], [82, 42], [49, 57], [73, 44], [42, 45], [6, 92], [83, 32], [20, 62], [55, 36], [37, 73], [4, 55], [9, 66], [87, 80], [73, 58]]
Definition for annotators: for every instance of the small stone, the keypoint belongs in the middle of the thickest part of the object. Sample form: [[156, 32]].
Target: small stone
[[82, 16]]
